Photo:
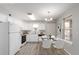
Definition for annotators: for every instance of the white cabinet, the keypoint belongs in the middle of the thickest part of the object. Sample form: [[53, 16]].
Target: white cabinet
[[29, 26], [41, 27]]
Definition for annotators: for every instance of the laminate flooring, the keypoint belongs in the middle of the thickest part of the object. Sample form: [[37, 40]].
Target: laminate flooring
[[37, 49]]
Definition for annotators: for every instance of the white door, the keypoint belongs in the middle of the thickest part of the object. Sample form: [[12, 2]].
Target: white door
[[4, 46]]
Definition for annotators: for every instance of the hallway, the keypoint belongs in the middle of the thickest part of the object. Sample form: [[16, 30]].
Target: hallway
[[36, 49]]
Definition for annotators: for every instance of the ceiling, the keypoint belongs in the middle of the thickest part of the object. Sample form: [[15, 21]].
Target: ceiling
[[20, 10]]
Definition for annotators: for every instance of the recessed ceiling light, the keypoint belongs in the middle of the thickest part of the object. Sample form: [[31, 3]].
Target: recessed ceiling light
[[31, 16]]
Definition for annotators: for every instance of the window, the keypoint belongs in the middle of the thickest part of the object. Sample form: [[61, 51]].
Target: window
[[68, 28]]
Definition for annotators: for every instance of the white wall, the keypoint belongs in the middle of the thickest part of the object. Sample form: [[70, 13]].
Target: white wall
[[72, 48], [76, 30], [4, 39], [50, 28]]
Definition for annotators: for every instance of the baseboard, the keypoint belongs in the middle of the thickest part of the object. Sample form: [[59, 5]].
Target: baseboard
[[32, 42], [67, 52]]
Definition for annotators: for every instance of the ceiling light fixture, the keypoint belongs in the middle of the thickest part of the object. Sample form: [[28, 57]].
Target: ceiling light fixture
[[48, 18], [31, 16]]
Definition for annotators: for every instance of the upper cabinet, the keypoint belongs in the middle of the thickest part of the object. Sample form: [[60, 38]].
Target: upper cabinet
[[29, 26], [41, 27]]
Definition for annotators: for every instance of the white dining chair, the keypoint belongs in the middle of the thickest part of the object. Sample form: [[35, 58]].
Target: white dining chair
[[44, 37], [53, 36], [59, 44], [46, 43]]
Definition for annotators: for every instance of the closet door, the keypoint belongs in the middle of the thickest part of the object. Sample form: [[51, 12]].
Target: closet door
[[4, 42]]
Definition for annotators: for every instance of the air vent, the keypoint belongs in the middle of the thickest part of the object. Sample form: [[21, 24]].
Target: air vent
[[9, 14], [29, 13], [31, 16]]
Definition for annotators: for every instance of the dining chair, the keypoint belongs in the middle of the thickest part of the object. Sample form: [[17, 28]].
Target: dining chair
[[46, 43], [59, 44]]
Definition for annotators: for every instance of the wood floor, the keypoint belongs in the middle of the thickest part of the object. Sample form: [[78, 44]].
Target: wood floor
[[36, 49]]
